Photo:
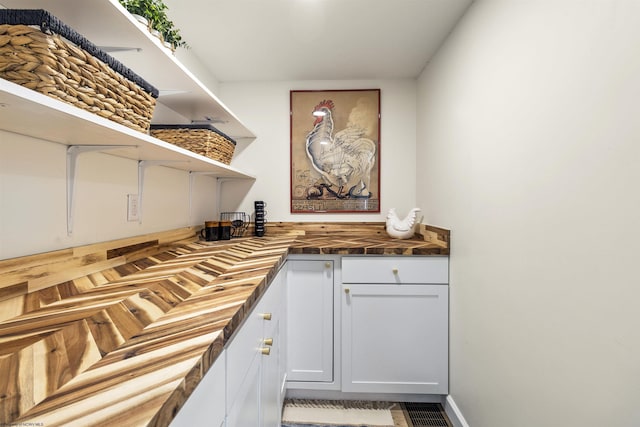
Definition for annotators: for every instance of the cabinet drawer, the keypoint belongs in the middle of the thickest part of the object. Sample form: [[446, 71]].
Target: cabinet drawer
[[395, 269]]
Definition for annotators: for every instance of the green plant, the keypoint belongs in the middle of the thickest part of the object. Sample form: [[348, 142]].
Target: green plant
[[173, 37], [138, 7], [156, 13]]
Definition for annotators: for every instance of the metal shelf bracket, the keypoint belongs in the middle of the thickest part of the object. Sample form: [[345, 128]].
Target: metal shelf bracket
[[73, 151], [142, 167], [192, 177], [219, 181]]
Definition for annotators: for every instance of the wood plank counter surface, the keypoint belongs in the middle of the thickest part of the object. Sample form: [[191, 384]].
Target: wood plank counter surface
[[127, 344]]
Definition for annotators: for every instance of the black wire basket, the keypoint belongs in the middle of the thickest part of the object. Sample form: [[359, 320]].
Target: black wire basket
[[239, 222]]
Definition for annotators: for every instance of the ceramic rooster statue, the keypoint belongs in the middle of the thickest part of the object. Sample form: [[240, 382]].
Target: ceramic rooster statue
[[344, 160], [401, 228]]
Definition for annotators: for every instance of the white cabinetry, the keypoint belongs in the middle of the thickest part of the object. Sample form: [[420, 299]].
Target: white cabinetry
[[245, 408], [395, 325], [246, 383], [273, 374], [206, 405], [310, 314], [255, 365]]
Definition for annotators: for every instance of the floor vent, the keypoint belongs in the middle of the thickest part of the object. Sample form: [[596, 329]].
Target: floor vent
[[426, 415]]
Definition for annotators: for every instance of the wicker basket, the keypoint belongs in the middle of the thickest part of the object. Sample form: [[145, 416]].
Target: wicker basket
[[202, 139], [41, 53]]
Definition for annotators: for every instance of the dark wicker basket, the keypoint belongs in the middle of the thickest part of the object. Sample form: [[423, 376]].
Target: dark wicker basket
[[202, 139], [41, 53]]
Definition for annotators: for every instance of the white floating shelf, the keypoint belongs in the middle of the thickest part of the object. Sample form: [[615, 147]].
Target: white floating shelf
[[107, 24], [30, 113]]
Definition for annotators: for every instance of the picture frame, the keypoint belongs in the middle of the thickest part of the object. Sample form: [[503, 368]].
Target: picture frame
[[335, 151]]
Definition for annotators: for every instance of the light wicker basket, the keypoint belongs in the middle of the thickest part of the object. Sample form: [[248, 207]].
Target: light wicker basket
[[41, 53], [203, 139]]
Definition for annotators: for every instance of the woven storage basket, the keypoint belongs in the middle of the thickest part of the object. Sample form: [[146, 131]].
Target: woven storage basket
[[203, 139], [41, 53]]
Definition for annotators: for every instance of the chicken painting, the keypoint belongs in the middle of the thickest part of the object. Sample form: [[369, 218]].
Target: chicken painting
[[343, 159], [401, 228]]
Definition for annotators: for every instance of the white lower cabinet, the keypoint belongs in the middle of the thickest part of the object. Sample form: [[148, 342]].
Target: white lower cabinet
[[352, 324], [382, 321], [245, 385], [310, 313], [395, 326], [255, 367], [206, 405], [244, 410], [271, 403], [394, 339]]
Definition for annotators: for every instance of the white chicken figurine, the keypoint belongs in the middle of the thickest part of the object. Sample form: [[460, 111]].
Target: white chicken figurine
[[401, 228]]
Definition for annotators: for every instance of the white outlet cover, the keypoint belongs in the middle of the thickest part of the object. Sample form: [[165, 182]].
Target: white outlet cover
[[132, 207]]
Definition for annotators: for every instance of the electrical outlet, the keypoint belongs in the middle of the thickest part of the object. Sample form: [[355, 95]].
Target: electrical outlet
[[132, 207]]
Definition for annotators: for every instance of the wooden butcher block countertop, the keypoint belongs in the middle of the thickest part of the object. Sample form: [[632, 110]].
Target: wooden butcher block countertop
[[126, 343]]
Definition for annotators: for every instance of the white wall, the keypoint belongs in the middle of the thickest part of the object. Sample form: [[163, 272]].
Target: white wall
[[33, 197], [528, 146], [33, 191], [33, 184], [264, 107]]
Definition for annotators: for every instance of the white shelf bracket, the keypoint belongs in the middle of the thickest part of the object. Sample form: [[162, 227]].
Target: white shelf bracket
[[73, 151], [219, 183], [192, 177], [142, 167]]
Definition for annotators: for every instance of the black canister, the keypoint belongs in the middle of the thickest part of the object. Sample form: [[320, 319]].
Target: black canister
[[259, 220]]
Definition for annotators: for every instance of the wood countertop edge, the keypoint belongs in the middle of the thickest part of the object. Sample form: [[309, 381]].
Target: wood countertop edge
[[167, 405], [179, 396]]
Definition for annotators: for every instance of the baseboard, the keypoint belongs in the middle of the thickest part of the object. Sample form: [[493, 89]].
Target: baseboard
[[339, 395], [454, 414]]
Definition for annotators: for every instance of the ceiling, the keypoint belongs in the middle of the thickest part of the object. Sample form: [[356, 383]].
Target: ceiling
[[267, 40]]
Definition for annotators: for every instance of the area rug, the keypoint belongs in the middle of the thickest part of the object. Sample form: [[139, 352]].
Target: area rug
[[302, 412]]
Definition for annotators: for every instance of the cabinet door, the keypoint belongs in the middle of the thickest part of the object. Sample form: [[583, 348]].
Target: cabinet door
[[245, 410], [282, 343], [242, 350], [272, 371], [395, 338], [270, 403], [253, 383], [206, 405], [310, 320]]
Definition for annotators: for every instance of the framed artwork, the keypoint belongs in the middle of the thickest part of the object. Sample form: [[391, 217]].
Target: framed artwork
[[335, 151]]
